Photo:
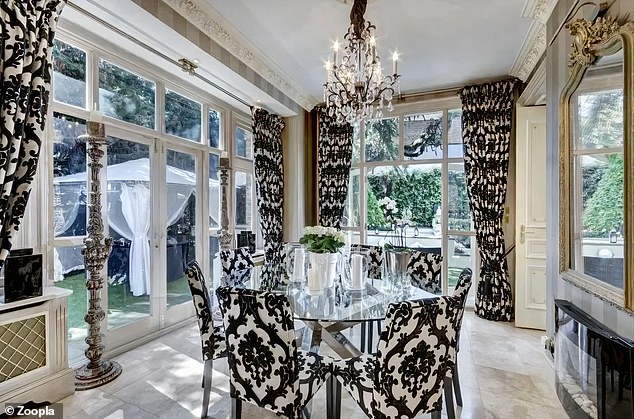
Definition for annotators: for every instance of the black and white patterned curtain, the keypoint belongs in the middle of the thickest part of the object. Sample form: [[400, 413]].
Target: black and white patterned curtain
[[28, 29], [269, 180], [333, 167], [487, 113]]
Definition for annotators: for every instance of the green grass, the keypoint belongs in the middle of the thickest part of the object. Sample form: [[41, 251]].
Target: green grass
[[120, 299]]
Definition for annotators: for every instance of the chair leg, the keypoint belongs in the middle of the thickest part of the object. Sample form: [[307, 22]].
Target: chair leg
[[207, 374], [435, 415], [456, 385], [370, 336], [362, 343], [451, 414], [333, 398], [236, 408]]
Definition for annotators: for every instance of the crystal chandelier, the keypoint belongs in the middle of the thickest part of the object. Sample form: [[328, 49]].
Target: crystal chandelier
[[355, 87]]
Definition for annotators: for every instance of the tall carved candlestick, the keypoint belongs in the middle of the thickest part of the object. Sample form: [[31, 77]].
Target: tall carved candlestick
[[225, 236], [97, 248]]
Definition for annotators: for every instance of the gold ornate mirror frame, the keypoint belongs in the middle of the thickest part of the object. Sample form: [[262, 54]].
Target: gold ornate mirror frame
[[592, 40]]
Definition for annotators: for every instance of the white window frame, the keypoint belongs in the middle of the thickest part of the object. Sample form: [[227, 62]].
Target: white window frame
[[443, 105]]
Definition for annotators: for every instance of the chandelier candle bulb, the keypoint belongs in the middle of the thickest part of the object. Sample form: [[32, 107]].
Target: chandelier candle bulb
[[394, 62]]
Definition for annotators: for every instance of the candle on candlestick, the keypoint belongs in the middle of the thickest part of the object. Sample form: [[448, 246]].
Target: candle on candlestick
[[335, 47], [95, 116]]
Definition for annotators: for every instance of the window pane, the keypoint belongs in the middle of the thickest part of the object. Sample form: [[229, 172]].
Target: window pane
[[416, 192], [214, 128], [69, 272], [351, 211], [243, 200], [214, 191], [381, 139], [244, 143], [459, 215], [182, 116], [356, 144], [129, 220], [422, 136], [455, 146], [181, 223], [69, 74], [69, 176], [461, 254], [602, 217], [600, 119], [126, 96]]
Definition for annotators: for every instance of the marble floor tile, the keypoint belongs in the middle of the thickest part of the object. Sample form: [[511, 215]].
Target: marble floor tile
[[504, 373]]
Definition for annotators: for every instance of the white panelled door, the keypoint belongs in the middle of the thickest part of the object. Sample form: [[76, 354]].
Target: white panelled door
[[530, 269]]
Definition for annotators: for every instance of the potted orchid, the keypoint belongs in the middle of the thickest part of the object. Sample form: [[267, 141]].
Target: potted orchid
[[398, 224], [322, 244], [396, 254]]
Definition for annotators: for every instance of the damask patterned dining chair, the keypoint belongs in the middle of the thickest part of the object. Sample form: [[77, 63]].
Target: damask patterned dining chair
[[452, 382], [212, 337], [425, 271], [237, 259], [406, 377], [265, 367]]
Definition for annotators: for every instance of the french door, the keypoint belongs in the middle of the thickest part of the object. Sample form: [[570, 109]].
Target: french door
[[152, 209]]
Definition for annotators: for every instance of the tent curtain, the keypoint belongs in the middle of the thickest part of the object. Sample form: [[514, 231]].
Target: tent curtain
[[487, 114], [28, 29], [136, 209], [333, 168], [269, 180]]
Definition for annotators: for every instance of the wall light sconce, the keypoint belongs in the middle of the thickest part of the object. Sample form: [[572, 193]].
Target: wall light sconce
[[188, 66]]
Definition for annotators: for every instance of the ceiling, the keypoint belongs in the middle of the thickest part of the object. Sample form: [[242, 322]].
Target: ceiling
[[441, 43]]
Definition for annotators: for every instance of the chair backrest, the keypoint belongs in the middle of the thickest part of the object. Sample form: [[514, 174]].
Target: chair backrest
[[425, 271], [413, 354], [464, 283], [376, 259], [261, 349], [235, 260], [202, 303], [462, 291]]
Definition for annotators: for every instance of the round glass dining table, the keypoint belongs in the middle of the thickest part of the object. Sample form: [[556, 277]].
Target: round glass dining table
[[330, 311]]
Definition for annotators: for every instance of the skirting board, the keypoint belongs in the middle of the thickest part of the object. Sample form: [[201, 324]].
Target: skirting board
[[51, 388]]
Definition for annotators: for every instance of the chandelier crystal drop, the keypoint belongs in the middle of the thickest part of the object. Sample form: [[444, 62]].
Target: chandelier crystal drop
[[356, 88]]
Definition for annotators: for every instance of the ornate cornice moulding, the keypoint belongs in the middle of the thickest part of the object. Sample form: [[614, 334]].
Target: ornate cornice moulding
[[209, 21], [534, 45]]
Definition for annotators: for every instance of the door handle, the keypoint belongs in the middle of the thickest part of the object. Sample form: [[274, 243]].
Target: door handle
[[523, 233]]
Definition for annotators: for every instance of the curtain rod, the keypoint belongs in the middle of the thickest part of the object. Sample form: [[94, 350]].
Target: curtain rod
[[156, 52]]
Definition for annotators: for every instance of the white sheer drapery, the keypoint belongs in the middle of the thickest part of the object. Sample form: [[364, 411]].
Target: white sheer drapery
[[135, 207]]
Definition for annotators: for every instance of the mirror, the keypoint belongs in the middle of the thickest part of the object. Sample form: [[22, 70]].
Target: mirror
[[595, 167]]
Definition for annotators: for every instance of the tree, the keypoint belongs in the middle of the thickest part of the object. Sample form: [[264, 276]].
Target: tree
[[127, 96], [604, 209], [375, 213], [414, 190], [379, 139]]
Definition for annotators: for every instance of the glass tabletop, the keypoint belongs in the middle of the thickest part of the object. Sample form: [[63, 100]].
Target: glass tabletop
[[334, 304]]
